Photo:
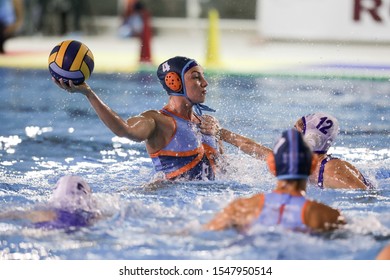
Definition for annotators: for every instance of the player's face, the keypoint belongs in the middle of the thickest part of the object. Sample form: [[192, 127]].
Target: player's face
[[196, 84]]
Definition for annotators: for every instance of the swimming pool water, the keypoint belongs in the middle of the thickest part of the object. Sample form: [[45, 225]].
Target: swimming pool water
[[46, 133]]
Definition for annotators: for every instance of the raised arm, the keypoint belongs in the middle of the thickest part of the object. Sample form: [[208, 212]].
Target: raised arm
[[138, 128]]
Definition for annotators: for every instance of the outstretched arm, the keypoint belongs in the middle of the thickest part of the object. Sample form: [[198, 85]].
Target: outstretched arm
[[211, 126], [245, 144], [34, 216], [138, 128]]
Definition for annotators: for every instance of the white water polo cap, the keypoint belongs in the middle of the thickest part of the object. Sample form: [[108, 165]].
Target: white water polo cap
[[320, 130], [72, 192]]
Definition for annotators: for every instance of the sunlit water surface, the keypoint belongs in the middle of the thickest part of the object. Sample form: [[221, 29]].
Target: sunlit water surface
[[46, 133]]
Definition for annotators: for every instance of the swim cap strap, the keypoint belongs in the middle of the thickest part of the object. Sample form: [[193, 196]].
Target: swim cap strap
[[199, 108]]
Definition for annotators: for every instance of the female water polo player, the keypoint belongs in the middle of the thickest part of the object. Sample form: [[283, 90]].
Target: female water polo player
[[320, 130], [291, 162], [173, 136], [71, 206]]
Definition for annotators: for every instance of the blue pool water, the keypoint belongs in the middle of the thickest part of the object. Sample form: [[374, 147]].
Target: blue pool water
[[46, 133]]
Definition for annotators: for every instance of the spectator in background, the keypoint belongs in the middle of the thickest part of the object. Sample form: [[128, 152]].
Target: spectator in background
[[137, 23], [11, 20], [132, 22]]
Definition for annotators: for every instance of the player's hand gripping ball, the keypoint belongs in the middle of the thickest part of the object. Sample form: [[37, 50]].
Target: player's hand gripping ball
[[71, 60]]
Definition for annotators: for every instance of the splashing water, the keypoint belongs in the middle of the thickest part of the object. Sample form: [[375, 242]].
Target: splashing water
[[46, 133]]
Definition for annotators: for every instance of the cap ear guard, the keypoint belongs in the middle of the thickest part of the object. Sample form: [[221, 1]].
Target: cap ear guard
[[173, 81]]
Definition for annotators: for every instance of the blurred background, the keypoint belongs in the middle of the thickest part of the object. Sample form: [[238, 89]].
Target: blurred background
[[99, 16], [343, 37], [342, 20]]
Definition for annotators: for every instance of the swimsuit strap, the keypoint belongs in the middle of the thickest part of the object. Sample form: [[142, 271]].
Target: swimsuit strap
[[282, 207], [367, 183], [320, 182]]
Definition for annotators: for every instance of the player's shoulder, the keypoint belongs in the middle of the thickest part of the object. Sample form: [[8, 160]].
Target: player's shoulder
[[320, 209], [150, 113], [153, 114], [340, 166], [251, 201]]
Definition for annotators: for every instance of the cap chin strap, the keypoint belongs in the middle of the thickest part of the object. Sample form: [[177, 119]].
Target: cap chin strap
[[199, 108]]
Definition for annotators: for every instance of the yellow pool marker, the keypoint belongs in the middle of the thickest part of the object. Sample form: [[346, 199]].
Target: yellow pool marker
[[212, 56]]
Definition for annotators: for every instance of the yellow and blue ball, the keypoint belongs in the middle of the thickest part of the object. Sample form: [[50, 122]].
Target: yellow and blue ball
[[71, 60]]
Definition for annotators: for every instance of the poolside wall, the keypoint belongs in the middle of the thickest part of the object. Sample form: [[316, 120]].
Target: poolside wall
[[330, 20]]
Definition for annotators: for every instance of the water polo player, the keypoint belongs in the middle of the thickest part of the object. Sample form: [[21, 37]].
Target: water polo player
[[320, 130], [287, 205], [70, 206], [174, 135]]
